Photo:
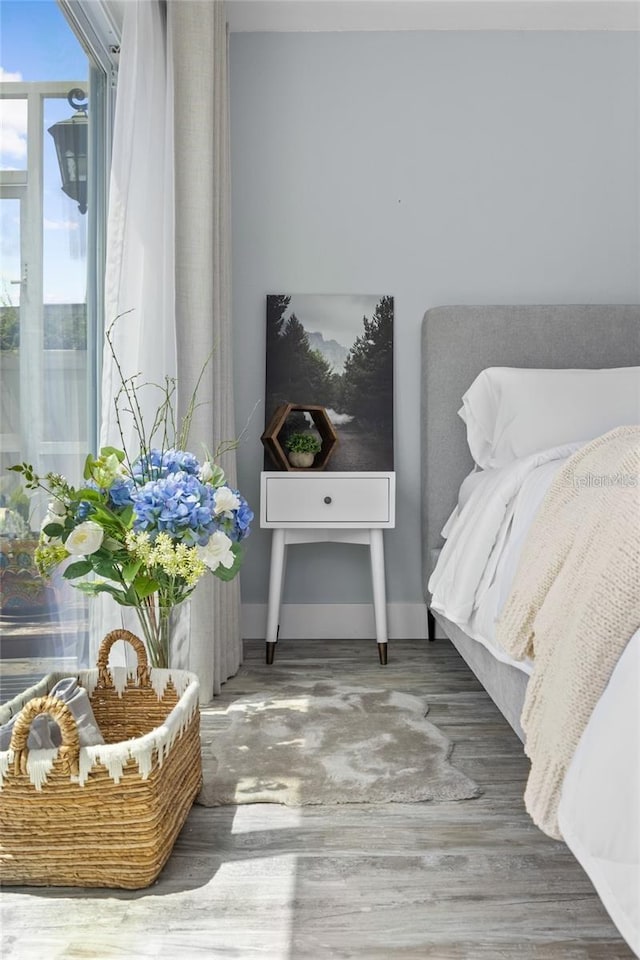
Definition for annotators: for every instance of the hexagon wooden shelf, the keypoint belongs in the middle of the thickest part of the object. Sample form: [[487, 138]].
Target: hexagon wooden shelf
[[271, 436]]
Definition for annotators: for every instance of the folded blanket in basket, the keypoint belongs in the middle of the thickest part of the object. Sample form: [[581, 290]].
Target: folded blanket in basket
[[105, 815], [45, 733]]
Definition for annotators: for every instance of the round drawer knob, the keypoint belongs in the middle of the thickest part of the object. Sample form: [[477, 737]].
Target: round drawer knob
[[327, 499]]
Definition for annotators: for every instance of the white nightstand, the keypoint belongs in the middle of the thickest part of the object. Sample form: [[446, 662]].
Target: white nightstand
[[338, 507]]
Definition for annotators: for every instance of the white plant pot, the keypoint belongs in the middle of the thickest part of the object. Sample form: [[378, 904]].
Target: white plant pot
[[298, 459]]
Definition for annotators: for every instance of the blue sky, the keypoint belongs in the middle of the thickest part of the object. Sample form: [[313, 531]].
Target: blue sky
[[36, 41], [37, 44]]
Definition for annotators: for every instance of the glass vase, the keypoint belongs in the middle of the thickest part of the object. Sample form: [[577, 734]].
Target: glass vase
[[166, 631]]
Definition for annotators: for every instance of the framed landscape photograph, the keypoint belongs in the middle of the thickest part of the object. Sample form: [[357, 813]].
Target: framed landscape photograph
[[335, 351]]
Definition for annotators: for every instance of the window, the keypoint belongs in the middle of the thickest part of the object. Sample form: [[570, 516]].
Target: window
[[51, 266]]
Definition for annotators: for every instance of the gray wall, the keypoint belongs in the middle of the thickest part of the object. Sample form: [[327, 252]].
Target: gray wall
[[438, 167]]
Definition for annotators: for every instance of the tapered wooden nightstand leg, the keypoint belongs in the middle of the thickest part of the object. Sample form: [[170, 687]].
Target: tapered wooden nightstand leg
[[382, 653], [271, 649]]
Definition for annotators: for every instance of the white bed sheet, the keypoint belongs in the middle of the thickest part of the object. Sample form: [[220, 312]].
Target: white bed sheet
[[484, 538], [599, 812]]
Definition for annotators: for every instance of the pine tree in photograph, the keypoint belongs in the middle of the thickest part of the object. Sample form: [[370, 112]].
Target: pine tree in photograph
[[298, 373], [368, 371]]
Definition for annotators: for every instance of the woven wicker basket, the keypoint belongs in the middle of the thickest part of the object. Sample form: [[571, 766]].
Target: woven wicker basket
[[104, 816]]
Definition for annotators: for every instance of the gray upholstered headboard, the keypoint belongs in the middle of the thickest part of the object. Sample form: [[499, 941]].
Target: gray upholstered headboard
[[459, 342]]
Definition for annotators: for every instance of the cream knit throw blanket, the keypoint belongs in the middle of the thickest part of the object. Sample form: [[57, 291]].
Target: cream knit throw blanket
[[574, 605]]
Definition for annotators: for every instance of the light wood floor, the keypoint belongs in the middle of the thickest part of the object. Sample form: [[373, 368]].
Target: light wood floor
[[468, 880]]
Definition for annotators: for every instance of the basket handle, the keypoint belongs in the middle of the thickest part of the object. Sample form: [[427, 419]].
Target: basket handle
[[142, 671], [59, 711]]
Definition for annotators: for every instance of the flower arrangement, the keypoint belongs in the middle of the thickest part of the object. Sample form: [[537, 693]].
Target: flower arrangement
[[143, 529], [303, 443]]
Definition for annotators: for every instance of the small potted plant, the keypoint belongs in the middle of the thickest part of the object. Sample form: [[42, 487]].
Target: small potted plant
[[302, 448]]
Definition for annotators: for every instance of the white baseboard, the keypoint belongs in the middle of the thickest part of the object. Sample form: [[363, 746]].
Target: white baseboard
[[336, 621]]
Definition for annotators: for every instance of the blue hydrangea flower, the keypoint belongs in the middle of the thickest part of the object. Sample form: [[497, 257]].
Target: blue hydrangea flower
[[241, 519], [235, 523], [178, 505], [145, 468], [83, 510], [120, 492], [161, 463], [182, 461]]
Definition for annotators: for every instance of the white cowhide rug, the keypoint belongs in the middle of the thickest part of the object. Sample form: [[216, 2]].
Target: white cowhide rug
[[326, 743]]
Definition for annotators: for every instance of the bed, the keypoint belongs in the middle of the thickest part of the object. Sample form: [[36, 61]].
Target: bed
[[601, 824]]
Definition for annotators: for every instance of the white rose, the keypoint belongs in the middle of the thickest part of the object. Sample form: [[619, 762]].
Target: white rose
[[225, 500], [217, 551], [85, 539], [206, 472], [211, 473]]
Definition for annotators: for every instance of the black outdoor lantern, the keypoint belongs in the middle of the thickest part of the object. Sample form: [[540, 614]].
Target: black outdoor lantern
[[71, 140]]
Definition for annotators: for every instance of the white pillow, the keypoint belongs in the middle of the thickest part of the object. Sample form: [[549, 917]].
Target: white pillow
[[512, 412]]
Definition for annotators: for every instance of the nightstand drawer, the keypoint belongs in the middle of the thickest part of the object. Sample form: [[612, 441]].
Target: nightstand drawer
[[328, 499]]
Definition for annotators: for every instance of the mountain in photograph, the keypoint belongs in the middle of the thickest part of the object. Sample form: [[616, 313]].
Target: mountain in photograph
[[333, 352]]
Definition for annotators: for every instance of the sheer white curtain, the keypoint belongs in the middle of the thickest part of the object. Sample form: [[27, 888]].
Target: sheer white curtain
[[169, 253], [140, 233]]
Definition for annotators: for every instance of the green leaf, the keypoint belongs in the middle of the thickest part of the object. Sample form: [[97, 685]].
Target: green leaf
[[110, 545], [53, 530], [88, 464], [104, 568], [109, 451], [88, 493], [79, 569], [217, 478], [95, 588], [130, 570], [222, 573], [144, 586], [126, 515]]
